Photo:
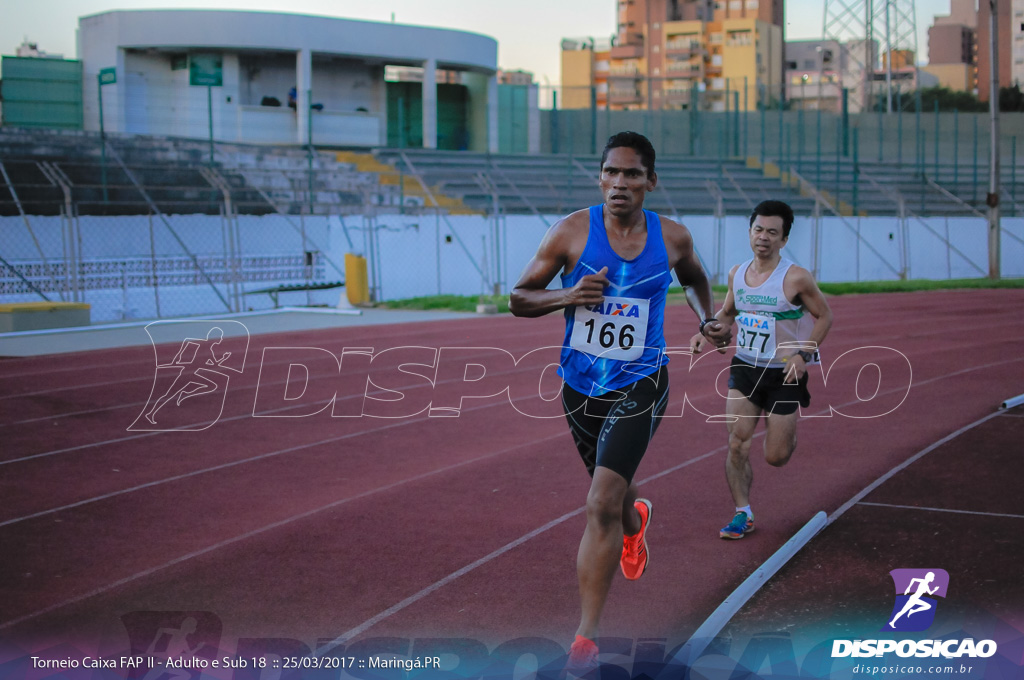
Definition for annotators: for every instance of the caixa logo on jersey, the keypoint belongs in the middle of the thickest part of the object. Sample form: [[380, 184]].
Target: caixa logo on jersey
[[914, 611], [753, 322], [623, 309]]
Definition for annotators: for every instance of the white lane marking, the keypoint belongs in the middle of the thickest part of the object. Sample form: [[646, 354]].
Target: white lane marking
[[926, 509], [261, 530]]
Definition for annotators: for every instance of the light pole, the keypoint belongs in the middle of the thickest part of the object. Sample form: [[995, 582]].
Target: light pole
[[821, 70], [106, 76], [993, 182]]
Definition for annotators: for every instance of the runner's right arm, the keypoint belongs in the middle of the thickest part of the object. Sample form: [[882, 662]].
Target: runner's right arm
[[530, 296], [726, 316]]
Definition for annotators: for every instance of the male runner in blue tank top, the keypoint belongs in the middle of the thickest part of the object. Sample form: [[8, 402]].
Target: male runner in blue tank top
[[616, 262], [782, 319]]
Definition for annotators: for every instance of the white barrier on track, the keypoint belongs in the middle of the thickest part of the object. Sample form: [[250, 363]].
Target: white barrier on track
[[708, 630], [1012, 401]]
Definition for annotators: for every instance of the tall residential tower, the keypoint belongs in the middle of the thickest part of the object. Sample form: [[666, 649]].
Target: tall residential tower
[[676, 54]]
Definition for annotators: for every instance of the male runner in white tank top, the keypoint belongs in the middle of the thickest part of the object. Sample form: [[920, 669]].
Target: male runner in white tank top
[[782, 318]]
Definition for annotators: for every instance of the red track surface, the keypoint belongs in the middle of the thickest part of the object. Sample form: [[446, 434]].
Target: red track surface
[[312, 528]]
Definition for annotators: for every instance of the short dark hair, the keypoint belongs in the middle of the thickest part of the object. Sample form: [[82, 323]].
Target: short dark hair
[[774, 209], [635, 141]]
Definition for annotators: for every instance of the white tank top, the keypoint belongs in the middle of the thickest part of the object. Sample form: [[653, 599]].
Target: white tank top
[[770, 328]]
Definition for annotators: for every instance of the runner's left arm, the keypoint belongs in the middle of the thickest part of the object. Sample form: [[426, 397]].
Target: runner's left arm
[[817, 306], [690, 272]]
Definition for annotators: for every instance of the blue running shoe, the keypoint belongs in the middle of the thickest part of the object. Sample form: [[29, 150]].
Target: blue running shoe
[[741, 524]]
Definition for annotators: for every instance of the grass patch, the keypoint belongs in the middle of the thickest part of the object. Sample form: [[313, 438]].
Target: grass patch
[[468, 303], [916, 285]]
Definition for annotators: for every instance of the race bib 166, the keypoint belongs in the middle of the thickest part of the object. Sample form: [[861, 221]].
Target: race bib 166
[[613, 329]]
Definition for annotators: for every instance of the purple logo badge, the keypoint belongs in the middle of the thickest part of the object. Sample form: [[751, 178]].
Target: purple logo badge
[[916, 590]]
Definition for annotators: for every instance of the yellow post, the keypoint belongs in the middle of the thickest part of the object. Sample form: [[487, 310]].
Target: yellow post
[[357, 284]]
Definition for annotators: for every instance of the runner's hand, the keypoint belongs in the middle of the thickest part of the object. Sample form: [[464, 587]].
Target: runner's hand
[[697, 343], [796, 368], [589, 290], [718, 335]]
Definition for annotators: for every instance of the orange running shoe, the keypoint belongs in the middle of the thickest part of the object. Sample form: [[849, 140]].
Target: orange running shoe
[[634, 548], [582, 655]]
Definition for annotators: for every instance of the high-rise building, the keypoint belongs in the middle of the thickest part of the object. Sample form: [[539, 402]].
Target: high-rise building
[[953, 47], [961, 12], [585, 65], [671, 54]]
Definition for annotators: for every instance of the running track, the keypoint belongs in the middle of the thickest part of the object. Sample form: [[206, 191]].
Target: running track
[[348, 529]]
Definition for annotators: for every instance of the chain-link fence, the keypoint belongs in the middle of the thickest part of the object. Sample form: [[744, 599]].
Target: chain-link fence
[[148, 266], [137, 235], [737, 121]]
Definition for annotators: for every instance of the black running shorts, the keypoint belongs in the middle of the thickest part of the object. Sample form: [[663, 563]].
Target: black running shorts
[[612, 431], [767, 388]]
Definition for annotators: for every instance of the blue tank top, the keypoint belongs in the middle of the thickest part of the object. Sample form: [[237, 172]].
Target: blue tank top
[[613, 344]]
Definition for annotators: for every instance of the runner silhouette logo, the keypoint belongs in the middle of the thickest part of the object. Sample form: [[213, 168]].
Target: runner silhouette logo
[[916, 590], [194, 363]]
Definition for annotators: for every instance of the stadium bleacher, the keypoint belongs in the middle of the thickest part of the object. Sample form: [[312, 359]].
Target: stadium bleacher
[[47, 172], [558, 183]]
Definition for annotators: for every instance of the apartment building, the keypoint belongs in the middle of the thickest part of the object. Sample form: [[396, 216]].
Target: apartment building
[[676, 54]]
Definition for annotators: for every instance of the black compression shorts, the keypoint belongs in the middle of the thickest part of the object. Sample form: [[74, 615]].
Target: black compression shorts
[[613, 430], [767, 388]]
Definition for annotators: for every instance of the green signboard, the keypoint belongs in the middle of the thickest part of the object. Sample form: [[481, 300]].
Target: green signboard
[[205, 69], [108, 76], [41, 93]]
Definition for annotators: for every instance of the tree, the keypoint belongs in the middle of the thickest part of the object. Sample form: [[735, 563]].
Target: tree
[[949, 100], [1011, 99]]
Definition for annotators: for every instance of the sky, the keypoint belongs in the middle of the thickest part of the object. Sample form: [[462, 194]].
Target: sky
[[529, 32]]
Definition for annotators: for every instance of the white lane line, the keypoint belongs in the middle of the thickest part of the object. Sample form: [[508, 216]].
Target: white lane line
[[264, 529], [236, 388], [706, 632], [242, 416], [451, 577], [418, 333], [958, 512], [150, 364], [709, 630], [917, 456], [804, 534], [223, 466], [436, 585]]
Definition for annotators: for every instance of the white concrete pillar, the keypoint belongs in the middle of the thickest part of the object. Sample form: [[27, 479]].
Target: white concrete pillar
[[227, 109], [118, 92], [303, 84], [492, 114], [430, 104]]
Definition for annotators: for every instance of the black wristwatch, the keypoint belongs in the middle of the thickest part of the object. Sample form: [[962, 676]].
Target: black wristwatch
[[705, 322], [805, 355]]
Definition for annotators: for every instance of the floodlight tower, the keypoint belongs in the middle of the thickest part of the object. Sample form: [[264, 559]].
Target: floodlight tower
[[866, 29]]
